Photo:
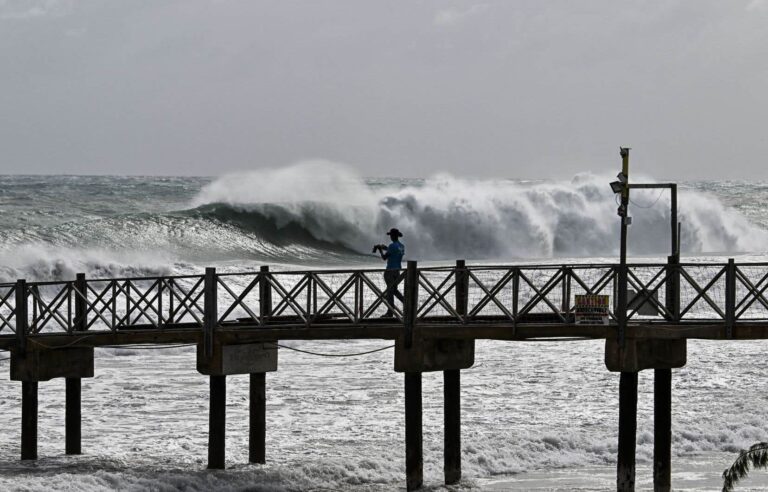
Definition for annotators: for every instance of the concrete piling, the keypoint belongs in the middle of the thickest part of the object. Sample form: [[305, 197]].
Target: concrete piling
[[73, 416], [258, 421], [29, 420], [662, 430], [625, 480], [414, 458], [452, 425], [217, 423]]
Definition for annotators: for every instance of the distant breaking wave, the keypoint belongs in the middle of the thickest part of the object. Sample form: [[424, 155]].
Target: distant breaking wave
[[447, 217], [321, 214]]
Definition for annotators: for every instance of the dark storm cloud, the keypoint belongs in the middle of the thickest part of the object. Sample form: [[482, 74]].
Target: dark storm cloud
[[524, 89]]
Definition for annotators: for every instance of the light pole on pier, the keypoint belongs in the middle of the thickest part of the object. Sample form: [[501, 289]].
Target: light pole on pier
[[625, 479]]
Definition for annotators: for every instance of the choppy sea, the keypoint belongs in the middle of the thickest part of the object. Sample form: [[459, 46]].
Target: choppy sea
[[536, 416]]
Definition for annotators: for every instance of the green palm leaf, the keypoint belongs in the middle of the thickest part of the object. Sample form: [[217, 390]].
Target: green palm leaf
[[754, 457]]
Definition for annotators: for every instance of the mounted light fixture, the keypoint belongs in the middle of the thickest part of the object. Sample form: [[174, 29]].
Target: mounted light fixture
[[617, 186]]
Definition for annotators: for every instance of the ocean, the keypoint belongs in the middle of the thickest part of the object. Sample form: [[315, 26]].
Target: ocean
[[535, 416]]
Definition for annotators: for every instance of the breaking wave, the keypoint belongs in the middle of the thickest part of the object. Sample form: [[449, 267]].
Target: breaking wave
[[446, 217], [321, 213]]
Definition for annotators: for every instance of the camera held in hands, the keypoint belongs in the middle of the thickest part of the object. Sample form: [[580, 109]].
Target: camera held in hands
[[379, 247]]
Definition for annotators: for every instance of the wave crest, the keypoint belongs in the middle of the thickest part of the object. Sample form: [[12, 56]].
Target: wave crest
[[446, 217]]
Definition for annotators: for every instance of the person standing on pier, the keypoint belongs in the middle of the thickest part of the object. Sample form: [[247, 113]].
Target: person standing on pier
[[393, 255]]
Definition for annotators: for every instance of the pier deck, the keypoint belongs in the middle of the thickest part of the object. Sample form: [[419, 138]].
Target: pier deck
[[237, 320]]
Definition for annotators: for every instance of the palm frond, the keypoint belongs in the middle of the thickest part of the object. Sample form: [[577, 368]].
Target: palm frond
[[755, 457]]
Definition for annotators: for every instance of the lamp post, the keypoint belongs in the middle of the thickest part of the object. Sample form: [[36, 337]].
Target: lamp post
[[625, 479]]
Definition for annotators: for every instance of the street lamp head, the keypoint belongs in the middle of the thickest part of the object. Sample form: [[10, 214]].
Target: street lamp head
[[617, 186]]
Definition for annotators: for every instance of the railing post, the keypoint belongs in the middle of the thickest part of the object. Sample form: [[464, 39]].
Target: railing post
[[360, 297], [81, 304], [662, 391], [452, 391], [411, 301], [73, 386], [621, 303], [625, 467], [22, 322], [211, 311], [462, 289], [515, 292], [265, 294], [566, 294], [730, 297], [257, 437], [414, 457], [673, 288]]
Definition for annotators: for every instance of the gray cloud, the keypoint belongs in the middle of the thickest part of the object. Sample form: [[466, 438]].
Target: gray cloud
[[520, 89]]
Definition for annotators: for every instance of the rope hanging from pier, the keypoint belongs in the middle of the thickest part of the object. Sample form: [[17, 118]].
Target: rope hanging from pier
[[320, 354], [163, 346]]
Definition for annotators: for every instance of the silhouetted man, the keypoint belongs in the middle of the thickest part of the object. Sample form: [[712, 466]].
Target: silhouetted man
[[393, 254]]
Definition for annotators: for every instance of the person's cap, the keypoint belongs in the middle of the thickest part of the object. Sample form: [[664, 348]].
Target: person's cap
[[395, 232]]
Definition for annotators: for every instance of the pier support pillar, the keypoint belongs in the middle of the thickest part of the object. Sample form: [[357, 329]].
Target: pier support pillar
[[29, 420], [34, 365], [72, 418], [637, 354], [254, 359], [662, 430], [258, 419], [625, 477], [452, 430], [414, 459], [217, 423]]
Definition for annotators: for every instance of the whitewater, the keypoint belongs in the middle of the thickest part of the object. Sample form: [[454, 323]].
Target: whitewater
[[535, 416]]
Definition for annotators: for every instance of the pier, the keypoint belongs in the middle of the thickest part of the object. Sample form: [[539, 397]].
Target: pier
[[237, 321]]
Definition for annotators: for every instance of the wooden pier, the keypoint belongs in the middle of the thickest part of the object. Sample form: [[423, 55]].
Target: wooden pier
[[237, 319]]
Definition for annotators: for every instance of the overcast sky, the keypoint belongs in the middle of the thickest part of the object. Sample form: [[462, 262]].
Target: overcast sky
[[394, 88]]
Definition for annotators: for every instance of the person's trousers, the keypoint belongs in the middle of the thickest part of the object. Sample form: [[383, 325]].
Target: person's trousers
[[390, 278]]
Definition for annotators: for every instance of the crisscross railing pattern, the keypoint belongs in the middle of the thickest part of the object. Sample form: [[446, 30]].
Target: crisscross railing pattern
[[687, 292], [7, 308]]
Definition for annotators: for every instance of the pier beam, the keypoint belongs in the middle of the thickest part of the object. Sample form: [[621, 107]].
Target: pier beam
[[29, 420], [72, 418], [625, 477], [217, 423], [258, 419], [662, 430], [452, 429], [414, 458]]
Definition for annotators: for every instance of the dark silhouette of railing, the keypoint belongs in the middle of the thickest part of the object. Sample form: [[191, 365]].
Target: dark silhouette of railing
[[673, 293]]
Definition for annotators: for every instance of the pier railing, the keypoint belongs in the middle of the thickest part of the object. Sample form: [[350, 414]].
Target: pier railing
[[690, 292]]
